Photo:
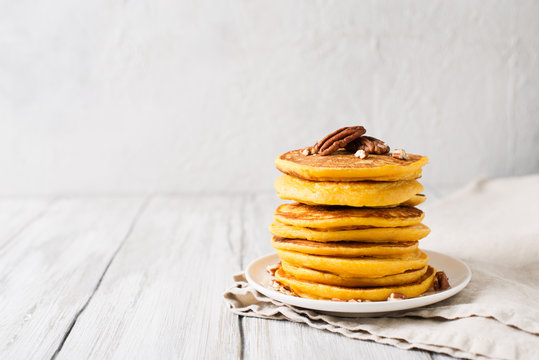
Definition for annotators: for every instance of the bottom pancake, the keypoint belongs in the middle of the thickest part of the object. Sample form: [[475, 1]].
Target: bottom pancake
[[327, 278], [313, 290]]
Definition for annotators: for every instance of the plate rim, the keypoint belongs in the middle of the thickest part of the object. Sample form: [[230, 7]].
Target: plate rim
[[355, 307]]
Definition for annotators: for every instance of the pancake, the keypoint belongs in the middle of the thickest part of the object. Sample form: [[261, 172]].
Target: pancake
[[313, 290], [343, 248], [366, 234], [344, 166], [322, 277], [369, 267], [363, 193], [344, 217]]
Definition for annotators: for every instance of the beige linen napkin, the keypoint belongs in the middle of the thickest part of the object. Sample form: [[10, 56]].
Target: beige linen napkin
[[494, 227]]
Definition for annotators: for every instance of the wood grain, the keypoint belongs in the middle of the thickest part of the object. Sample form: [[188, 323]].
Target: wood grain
[[119, 277], [51, 268], [162, 296], [16, 213]]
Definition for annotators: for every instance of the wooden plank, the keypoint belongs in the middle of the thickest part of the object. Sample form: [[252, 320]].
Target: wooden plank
[[162, 295], [269, 339], [50, 269], [16, 213]]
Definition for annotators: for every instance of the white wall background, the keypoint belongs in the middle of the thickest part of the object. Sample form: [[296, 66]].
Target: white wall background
[[200, 96]]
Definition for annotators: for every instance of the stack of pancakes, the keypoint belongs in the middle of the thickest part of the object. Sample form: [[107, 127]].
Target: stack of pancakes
[[353, 233]]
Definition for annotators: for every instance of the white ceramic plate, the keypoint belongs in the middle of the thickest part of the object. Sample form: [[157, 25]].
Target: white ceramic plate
[[459, 275]]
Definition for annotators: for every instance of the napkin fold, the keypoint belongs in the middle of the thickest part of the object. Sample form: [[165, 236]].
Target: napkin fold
[[493, 227]]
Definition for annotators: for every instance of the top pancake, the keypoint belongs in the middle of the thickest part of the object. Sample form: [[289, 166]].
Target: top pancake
[[344, 166]]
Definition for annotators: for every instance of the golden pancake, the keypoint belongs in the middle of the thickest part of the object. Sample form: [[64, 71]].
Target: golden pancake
[[362, 193], [343, 248], [369, 267], [344, 166], [321, 277], [368, 234], [345, 217], [313, 290]]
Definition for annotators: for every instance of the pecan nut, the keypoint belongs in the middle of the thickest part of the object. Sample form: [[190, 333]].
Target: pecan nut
[[337, 140], [400, 154], [396, 297], [271, 269], [360, 154], [441, 282], [369, 145]]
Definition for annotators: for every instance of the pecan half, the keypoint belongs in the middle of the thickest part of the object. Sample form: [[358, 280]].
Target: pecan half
[[337, 139], [369, 145], [441, 282]]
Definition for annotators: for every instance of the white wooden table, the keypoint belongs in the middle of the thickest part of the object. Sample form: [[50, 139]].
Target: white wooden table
[[143, 277]]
